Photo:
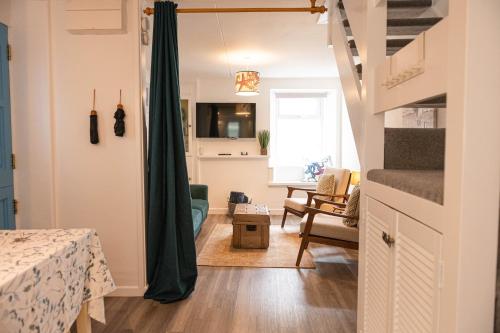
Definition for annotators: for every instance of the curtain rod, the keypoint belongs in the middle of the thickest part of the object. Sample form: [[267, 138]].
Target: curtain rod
[[313, 9]]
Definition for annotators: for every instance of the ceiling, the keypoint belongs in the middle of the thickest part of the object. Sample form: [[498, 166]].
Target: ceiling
[[276, 44]]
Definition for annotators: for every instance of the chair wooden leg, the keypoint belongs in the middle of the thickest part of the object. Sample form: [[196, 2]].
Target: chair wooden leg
[[303, 246], [284, 218], [307, 244]]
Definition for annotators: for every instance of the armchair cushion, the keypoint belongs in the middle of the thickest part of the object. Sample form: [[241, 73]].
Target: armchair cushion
[[330, 227], [352, 208], [326, 185], [342, 181], [299, 204]]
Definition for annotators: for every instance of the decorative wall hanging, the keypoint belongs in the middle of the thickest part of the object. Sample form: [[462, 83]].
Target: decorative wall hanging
[[119, 115], [94, 134]]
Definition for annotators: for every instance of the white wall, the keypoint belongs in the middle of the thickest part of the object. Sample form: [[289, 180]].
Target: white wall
[[100, 186], [249, 176], [5, 12], [62, 180], [31, 113]]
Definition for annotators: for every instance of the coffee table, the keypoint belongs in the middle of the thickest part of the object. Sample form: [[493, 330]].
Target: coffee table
[[251, 226]]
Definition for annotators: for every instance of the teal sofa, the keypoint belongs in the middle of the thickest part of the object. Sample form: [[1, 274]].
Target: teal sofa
[[199, 206]]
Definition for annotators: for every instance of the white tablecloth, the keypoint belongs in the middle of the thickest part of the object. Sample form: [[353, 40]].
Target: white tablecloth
[[46, 276]]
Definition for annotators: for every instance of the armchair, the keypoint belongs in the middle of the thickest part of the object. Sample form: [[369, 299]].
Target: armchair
[[324, 224], [297, 206]]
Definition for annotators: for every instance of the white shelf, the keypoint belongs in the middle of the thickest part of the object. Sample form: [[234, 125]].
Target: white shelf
[[233, 157]]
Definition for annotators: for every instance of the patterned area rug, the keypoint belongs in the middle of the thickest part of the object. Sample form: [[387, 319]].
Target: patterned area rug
[[282, 252]]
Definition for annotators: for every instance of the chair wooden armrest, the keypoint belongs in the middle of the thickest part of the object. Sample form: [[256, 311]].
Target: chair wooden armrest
[[291, 189], [311, 194], [319, 202], [313, 211], [332, 196]]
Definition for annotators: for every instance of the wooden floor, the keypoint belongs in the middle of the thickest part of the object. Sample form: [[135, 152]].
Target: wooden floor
[[241, 300]]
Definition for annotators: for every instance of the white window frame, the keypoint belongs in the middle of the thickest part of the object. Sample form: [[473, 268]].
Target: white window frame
[[332, 98]]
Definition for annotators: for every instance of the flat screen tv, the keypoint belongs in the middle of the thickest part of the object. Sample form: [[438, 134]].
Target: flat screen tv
[[225, 120]]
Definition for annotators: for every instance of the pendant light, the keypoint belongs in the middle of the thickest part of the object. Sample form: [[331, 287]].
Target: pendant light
[[247, 83]]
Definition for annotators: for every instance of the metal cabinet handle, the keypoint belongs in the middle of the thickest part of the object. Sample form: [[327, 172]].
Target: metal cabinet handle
[[387, 239]]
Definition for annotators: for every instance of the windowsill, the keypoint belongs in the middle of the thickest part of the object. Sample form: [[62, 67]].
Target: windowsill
[[296, 184], [232, 157]]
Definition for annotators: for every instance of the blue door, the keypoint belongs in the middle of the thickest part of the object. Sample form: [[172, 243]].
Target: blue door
[[6, 179]]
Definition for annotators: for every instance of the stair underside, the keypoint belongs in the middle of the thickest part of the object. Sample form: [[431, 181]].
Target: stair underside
[[431, 102], [405, 26], [392, 45], [403, 23]]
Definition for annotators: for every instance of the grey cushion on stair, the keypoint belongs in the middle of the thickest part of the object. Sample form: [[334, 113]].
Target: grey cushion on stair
[[414, 148], [427, 184]]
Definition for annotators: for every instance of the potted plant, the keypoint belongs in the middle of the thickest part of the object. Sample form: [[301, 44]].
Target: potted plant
[[264, 137]]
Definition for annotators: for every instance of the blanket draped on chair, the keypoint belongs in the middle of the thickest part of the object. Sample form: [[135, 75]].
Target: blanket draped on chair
[[171, 253]]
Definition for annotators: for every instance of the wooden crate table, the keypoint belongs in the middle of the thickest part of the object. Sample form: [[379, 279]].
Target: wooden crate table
[[251, 226]]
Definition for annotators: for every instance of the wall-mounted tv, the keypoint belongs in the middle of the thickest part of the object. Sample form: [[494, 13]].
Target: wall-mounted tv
[[225, 120]]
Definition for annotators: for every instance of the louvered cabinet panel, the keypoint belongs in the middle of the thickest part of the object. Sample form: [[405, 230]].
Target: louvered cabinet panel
[[417, 251], [378, 268]]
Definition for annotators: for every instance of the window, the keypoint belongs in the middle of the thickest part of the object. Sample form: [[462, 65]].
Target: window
[[305, 128]]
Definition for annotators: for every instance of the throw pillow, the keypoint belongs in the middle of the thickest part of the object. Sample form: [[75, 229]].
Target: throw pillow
[[326, 185], [352, 208]]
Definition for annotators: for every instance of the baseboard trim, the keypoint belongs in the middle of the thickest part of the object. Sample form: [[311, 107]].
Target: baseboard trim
[[223, 211], [217, 211], [128, 291], [276, 211]]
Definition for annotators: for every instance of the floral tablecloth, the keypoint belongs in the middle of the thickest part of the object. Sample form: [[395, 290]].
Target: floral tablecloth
[[46, 276]]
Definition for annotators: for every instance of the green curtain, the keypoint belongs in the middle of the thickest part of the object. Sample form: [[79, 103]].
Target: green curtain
[[171, 253]]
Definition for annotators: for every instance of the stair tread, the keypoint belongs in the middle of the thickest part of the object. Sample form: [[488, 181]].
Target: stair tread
[[407, 22], [402, 4], [402, 42], [392, 45], [432, 102]]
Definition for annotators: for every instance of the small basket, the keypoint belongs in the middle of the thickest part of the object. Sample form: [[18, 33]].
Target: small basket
[[230, 208]]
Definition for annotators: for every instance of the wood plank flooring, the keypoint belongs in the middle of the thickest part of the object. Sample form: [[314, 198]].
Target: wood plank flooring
[[250, 300]]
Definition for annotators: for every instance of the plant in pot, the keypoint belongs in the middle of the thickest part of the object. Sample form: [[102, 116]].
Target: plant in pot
[[264, 137]]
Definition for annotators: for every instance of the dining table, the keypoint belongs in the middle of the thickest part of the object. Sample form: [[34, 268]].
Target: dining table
[[50, 279]]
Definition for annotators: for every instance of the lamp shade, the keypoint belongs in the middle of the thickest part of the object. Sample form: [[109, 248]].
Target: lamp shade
[[247, 83], [355, 178]]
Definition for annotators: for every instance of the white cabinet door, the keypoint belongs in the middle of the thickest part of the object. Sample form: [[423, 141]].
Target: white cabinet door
[[417, 277], [378, 267]]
